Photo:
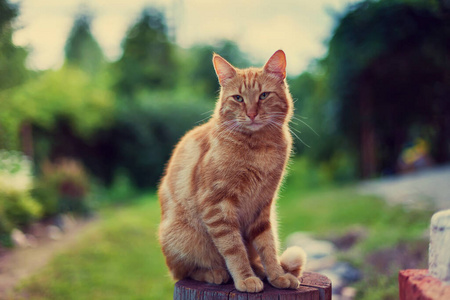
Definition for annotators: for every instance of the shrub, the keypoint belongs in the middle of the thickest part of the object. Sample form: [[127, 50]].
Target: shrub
[[146, 133], [63, 187], [17, 207]]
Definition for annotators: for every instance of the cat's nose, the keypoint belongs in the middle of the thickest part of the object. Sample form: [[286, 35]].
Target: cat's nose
[[252, 115]]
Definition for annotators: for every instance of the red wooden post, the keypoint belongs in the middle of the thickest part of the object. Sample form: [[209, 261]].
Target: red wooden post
[[313, 287], [419, 284]]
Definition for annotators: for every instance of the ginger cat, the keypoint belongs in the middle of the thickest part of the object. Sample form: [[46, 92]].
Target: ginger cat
[[218, 193]]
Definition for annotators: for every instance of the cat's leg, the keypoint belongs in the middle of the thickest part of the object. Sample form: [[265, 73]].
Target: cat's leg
[[220, 219], [255, 261], [189, 252], [263, 237], [182, 266]]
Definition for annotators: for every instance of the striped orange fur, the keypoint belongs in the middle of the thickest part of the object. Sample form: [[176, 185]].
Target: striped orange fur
[[218, 192]]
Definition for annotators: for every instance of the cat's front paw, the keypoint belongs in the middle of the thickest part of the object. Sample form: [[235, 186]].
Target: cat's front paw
[[286, 281], [250, 285]]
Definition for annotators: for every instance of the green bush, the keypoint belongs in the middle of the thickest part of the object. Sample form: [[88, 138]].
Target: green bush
[[87, 104], [17, 207], [146, 133]]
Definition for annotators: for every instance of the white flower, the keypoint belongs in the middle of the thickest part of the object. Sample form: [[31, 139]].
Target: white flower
[[15, 172]]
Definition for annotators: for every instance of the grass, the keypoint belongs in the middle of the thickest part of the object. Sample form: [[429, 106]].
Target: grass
[[335, 210], [118, 257]]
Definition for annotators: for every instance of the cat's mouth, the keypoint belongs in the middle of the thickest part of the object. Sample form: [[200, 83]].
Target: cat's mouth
[[254, 125]]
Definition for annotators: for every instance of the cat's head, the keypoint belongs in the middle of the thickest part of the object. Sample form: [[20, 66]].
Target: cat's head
[[253, 98]]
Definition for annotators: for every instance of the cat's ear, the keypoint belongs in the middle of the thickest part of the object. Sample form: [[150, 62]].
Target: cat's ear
[[276, 65], [224, 69]]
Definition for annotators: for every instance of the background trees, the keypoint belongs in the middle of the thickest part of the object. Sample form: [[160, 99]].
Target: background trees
[[148, 59], [388, 69], [383, 83], [81, 49], [12, 58]]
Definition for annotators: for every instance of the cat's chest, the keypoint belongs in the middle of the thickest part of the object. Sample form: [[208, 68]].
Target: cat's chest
[[262, 155], [256, 174]]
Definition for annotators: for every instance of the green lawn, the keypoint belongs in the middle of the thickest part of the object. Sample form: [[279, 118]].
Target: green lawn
[[118, 257]]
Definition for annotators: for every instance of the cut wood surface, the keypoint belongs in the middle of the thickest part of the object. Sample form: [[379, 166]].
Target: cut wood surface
[[313, 287]]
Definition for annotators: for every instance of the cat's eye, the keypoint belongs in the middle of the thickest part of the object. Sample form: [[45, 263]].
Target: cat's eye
[[238, 98], [264, 95]]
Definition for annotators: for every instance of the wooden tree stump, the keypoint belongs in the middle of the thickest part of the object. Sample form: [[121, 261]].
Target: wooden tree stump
[[313, 287]]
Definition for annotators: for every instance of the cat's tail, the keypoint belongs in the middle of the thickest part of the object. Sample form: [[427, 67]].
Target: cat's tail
[[293, 260]]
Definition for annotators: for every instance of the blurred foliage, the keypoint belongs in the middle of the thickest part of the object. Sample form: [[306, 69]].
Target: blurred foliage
[[148, 60], [124, 118], [12, 58], [68, 93], [17, 207], [316, 136], [81, 49], [388, 72], [145, 134], [385, 77]]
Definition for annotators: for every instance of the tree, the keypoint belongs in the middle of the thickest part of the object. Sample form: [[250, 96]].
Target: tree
[[82, 49], [388, 67], [12, 72], [12, 58], [148, 60]]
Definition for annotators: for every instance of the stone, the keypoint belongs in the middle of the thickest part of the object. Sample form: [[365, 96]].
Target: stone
[[54, 232], [353, 235], [439, 254], [315, 249], [38, 230], [19, 238], [346, 271], [32, 241], [68, 222], [348, 293]]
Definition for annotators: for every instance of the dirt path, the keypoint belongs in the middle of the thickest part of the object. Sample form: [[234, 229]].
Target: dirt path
[[428, 187], [21, 263]]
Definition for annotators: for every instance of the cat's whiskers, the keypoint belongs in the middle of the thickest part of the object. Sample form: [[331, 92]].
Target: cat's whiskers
[[297, 118], [291, 130], [207, 117], [295, 129], [209, 111], [203, 120], [300, 120]]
